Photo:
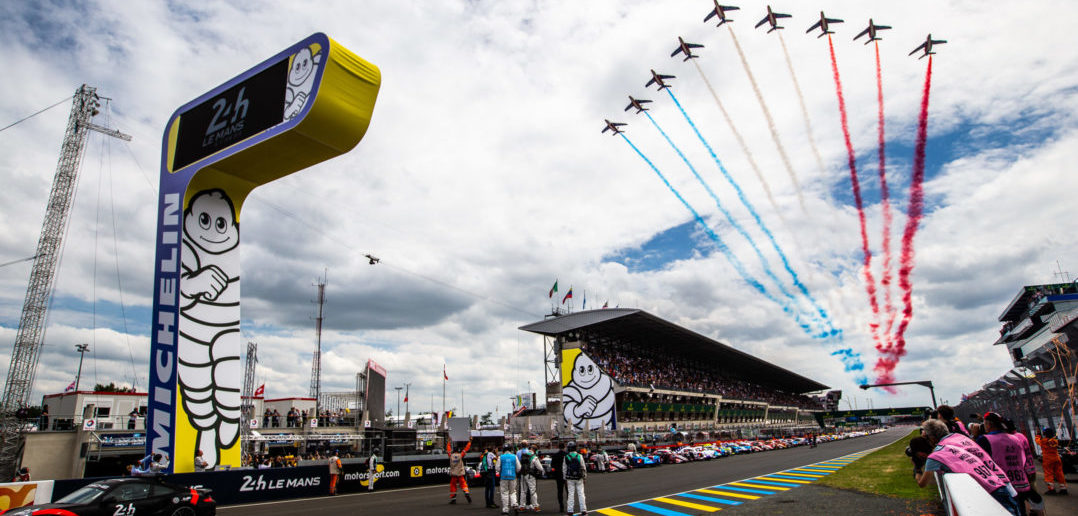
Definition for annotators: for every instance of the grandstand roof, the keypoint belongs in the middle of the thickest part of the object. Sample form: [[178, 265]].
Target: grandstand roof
[[634, 325]]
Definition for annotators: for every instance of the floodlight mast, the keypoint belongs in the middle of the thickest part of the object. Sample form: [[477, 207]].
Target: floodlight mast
[[925, 383]]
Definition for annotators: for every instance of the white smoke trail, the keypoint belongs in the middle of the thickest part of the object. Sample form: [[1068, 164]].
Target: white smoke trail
[[804, 110], [770, 123]]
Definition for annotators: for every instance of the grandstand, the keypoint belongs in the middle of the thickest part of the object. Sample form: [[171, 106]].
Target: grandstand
[[666, 376]]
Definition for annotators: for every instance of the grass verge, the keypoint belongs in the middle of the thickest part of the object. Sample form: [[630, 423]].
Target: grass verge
[[887, 471]]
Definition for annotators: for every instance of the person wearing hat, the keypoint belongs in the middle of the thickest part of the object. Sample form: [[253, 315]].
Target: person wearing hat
[[1053, 466], [1008, 454], [575, 471]]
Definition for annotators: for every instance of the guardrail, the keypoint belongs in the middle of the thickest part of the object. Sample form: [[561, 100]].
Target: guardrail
[[963, 496]]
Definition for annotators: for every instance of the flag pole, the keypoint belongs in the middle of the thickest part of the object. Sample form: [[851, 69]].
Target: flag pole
[[443, 395]]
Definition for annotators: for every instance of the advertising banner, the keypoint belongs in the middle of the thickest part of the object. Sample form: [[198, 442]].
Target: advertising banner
[[307, 104], [587, 398]]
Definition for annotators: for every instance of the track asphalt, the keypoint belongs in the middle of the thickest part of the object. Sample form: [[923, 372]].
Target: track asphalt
[[614, 491]]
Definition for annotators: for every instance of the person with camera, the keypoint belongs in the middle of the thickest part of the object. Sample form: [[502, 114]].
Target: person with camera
[[956, 453]]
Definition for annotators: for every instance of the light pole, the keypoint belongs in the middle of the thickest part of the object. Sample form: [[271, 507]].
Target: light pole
[[398, 413], [925, 383], [81, 349]]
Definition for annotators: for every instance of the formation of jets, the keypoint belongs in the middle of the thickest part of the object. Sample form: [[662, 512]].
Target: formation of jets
[[720, 11], [824, 25], [686, 48], [871, 31], [927, 46], [772, 19]]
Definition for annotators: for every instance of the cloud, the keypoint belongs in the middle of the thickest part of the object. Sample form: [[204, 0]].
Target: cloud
[[484, 177]]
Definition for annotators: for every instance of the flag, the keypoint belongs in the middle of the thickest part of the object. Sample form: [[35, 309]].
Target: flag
[[444, 375], [406, 395], [260, 391], [606, 304], [70, 387], [519, 410], [553, 289], [584, 305], [568, 295]]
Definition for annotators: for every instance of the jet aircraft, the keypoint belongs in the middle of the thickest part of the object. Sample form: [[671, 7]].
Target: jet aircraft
[[772, 19], [373, 259], [613, 126], [686, 48], [638, 104], [720, 11], [927, 46], [824, 25], [871, 31], [659, 79]]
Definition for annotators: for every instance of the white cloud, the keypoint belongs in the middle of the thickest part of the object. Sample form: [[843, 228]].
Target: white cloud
[[484, 176]]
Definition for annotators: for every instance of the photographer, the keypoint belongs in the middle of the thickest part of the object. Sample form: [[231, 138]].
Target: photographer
[[956, 453]]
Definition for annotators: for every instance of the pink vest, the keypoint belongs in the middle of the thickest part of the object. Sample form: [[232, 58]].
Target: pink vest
[[1008, 454], [960, 461], [1024, 442], [966, 444]]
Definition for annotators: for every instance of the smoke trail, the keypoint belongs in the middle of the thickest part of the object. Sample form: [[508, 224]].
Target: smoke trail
[[824, 317], [729, 217], [885, 204], [741, 143], [770, 122], [885, 366], [851, 360], [804, 110], [738, 266], [870, 281]]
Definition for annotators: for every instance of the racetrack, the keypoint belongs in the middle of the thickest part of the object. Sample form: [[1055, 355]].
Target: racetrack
[[603, 490]]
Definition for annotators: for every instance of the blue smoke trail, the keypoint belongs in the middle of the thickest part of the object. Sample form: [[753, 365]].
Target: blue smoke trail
[[745, 275], [852, 361], [832, 331], [729, 216]]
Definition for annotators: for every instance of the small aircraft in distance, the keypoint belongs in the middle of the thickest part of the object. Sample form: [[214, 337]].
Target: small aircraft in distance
[[824, 24], [659, 79], [612, 126], [927, 46], [686, 48], [720, 11], [638, 104], [373, 259], [772, 18], [871, 31]]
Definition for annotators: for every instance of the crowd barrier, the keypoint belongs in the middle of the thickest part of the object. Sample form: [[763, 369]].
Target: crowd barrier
[[963, 496]]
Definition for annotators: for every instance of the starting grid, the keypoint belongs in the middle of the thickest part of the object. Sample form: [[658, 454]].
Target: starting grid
[[715, 498]]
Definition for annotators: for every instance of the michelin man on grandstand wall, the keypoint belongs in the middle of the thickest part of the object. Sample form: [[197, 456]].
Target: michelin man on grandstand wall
[[588, 396]]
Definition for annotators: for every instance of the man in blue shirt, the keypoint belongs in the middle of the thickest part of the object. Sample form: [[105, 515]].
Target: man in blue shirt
[[508, 466]]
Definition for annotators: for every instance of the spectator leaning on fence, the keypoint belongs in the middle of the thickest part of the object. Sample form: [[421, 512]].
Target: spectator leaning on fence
[[956, 453]]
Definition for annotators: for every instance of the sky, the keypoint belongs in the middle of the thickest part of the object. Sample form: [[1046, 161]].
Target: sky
[[484, 177]]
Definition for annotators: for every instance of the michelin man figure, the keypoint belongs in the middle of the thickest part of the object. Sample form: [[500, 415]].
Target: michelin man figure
[[209, 344], [588, 399], [301, 76]]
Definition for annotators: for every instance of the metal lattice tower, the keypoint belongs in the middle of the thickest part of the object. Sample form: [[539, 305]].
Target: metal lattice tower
[[316, 362], [247, 407], [27, 348]]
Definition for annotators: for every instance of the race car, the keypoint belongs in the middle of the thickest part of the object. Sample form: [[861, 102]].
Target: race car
[[128, 497]]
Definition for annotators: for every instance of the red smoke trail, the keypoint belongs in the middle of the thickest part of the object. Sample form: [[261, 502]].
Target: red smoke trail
[[891, 354], [870, 281], [885, 204]]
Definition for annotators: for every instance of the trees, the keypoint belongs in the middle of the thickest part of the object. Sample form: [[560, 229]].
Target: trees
[[112, 387]]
